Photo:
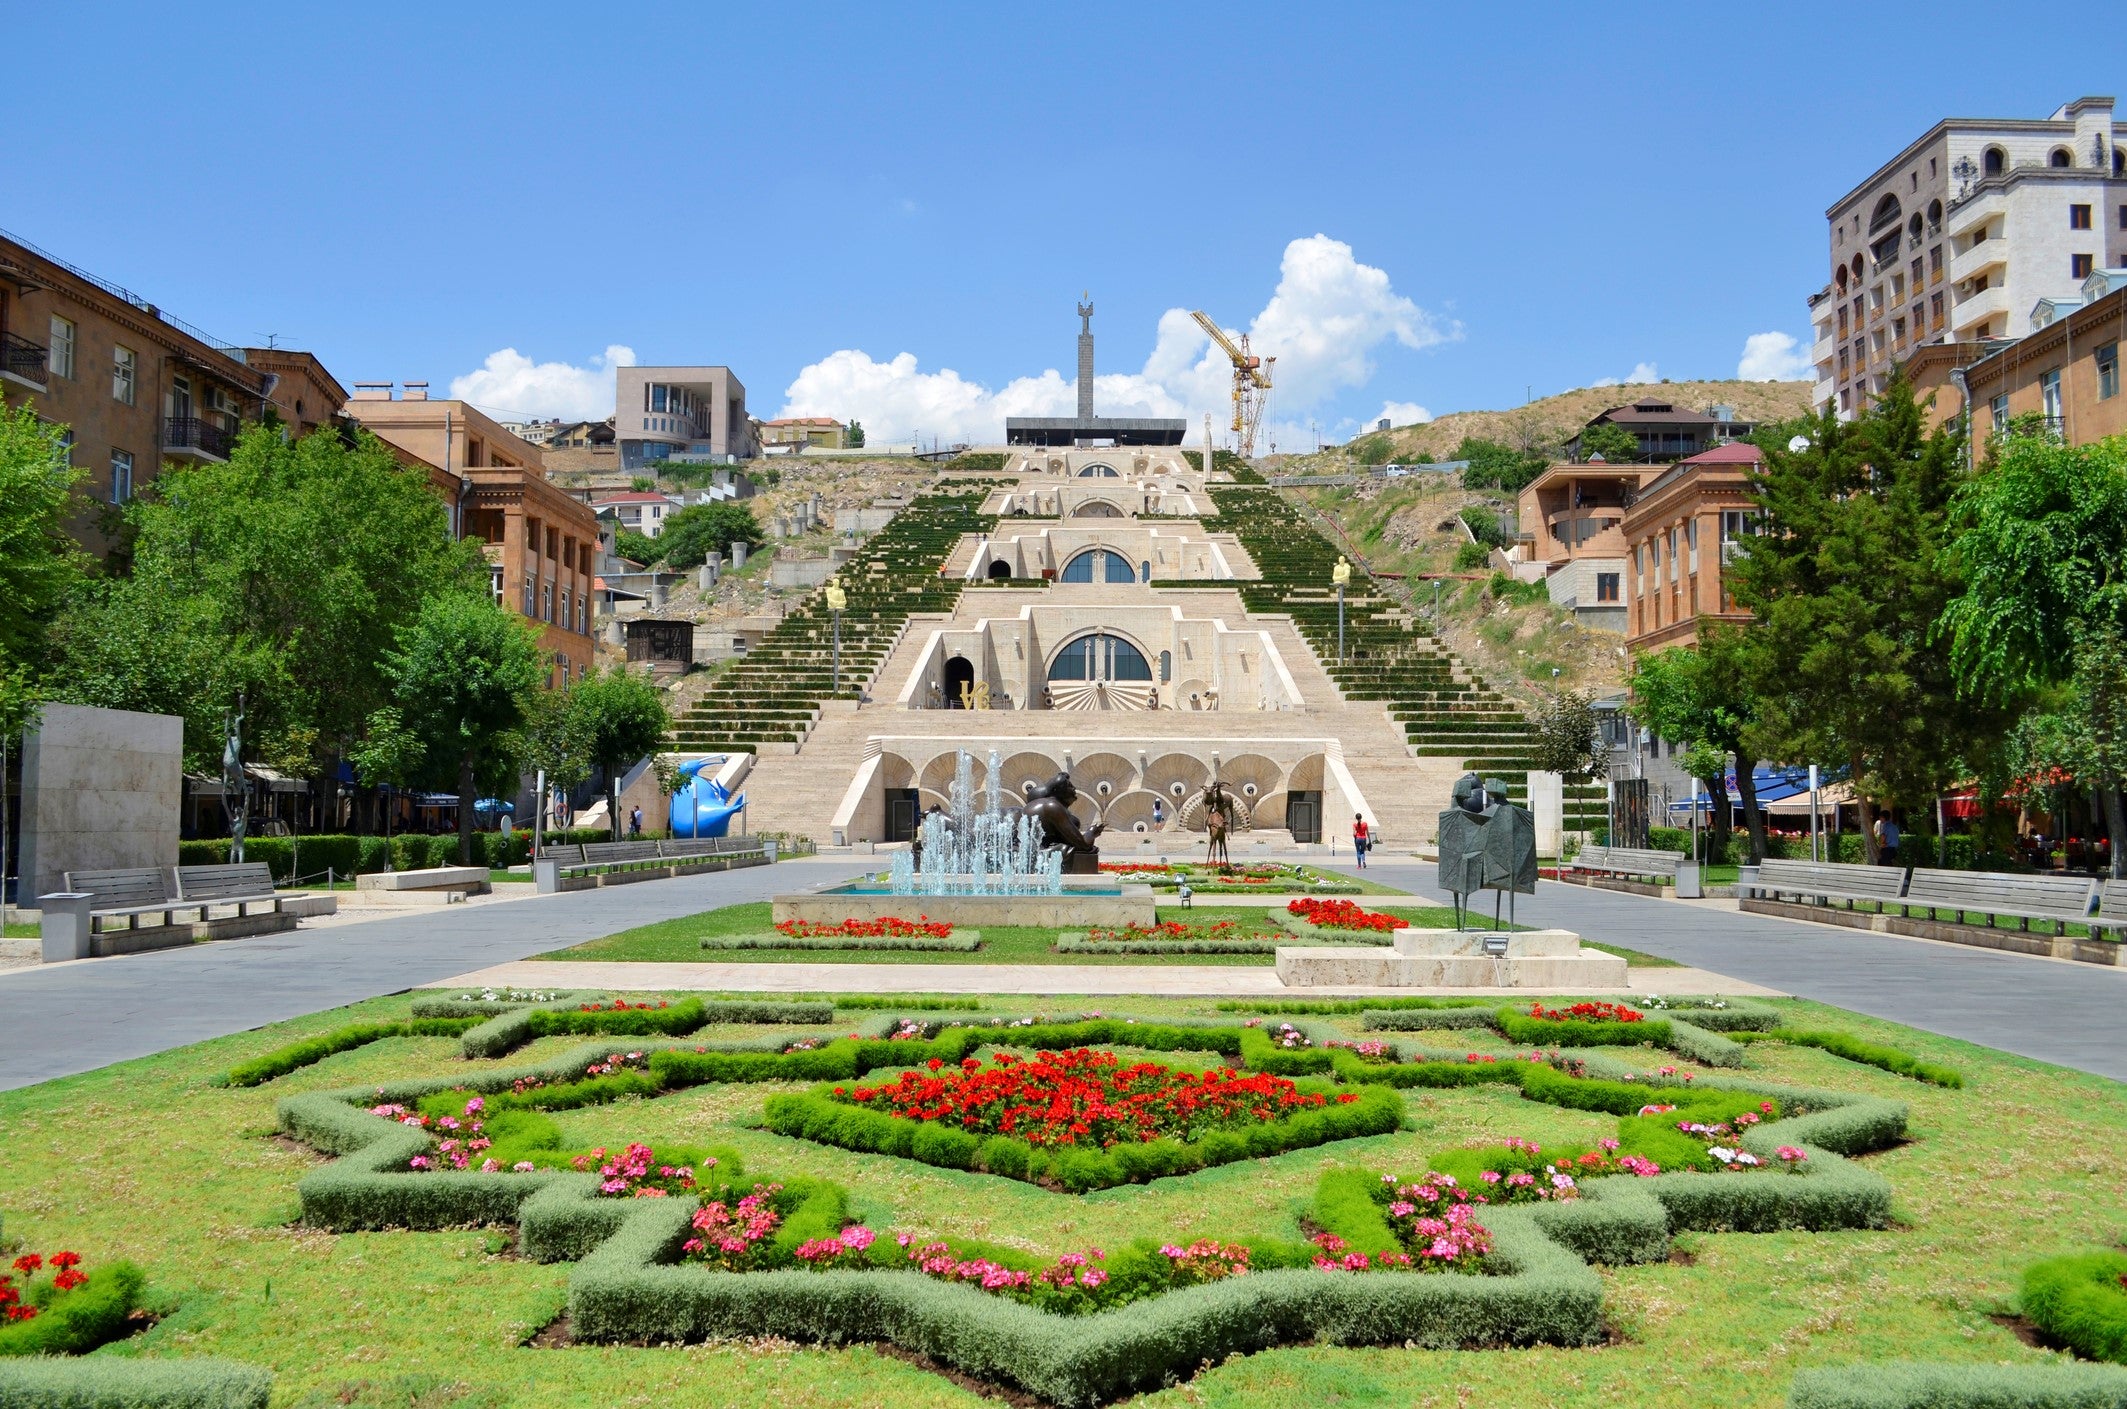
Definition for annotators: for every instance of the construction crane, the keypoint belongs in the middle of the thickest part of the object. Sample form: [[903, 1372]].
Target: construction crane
[[1251, 383]]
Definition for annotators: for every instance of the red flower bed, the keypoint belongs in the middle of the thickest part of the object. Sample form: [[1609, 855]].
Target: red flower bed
[[1084, 1097], [1136, 868], [622, 1005], [1586, 1012], [1343, 915], [1173, 931], [65, 1278], [889, 927]]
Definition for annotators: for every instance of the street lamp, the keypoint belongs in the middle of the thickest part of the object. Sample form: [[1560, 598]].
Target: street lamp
[[1341, 574], [836, 600]]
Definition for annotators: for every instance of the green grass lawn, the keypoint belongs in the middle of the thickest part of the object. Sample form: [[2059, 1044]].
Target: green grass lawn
[[680, 941], [147, 1160], [17, 930]]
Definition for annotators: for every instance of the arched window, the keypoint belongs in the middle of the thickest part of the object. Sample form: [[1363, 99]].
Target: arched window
[[1912, 227], [2119, 168], [1887, 212], [1995, 162], [1099, 657], [1098, 565], [1857, 267], [1144, 571], [1166, 666], [1095, 509], [1839, 278], [2059, 156], [1098, 472], [999, 568]]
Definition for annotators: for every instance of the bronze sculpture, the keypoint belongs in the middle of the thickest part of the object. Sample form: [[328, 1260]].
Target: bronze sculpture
[[1050, 805], [1486, 843], [1218, 821]]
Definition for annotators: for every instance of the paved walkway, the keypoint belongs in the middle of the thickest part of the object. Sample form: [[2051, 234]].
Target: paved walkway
[[2055, 1010], [57, 1019], [1105, 980]]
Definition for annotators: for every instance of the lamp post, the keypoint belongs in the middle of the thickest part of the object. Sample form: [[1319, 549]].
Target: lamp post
[[836, 600], [1341, 574]]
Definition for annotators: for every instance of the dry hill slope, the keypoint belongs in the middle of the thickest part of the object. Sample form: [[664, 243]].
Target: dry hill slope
[[1551, 420]]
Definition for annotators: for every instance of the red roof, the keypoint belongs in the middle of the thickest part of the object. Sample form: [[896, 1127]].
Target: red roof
[[633, 496], [1736, 452], [804, 421]]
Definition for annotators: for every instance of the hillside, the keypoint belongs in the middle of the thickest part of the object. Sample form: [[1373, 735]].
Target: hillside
[[1550, 421]]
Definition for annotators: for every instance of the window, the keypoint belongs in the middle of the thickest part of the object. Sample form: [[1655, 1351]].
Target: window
[[1098, 565], [2078, 217], [1606, 587], [66, 447], [531, 595], [1995, 161], [494, 583], [546, 602], [657, 398], [1998, 409], [121, 476], [124, 368], [1100, 657], [2108, 371], [2049, 395], [61, 362], [2079, 265], [2059, 157], [1691, 542], [2123, 217]]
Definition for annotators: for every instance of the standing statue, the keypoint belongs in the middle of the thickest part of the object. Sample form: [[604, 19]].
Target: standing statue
[[1050, 806], [236, 791], [1218, 821], [1486, 843]]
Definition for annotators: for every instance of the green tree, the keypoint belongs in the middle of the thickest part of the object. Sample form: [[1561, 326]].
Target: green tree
[[553, 742], [1615, 444], [636, 546], [1472, 557], [643, 484], [463, 674], [1568, 739], [1704, 695], [39, 561], [620, 718], [1847, 580], [702, 531], [855, 438], [2040, 542], [1496, 466], [389, 755]]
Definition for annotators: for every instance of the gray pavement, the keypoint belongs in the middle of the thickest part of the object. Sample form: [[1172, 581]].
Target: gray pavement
[[2052, 1009], [60, 1019]]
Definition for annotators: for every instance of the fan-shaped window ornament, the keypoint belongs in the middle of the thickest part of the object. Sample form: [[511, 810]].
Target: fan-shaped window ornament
[[1099, 472], [1098, 565]]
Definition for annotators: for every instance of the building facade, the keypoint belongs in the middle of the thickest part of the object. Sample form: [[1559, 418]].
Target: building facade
[[1667, 432], [1960, 235], [1571, 529], [541, 543], [2067, 371], [637, 510], [1680, 534], [135, 388], [680, 413], [796, 432], [303, 394]]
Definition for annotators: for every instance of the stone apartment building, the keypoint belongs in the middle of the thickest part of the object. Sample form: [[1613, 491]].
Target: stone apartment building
[[541, 543], [136, 388], [680, 413], [1959, 236], [797, 432], [2067, 370], [1679, 535]]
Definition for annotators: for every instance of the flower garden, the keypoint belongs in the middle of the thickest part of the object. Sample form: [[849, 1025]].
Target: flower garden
[[570, 1197]]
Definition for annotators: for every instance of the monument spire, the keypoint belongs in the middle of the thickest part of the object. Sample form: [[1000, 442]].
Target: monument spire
[[1085, 357]]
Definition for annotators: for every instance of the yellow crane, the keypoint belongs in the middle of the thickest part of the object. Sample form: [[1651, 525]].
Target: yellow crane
[[1251, 383]]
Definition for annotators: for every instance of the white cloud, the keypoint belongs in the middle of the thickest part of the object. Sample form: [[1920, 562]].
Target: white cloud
[[512, 384], [1322, 322], [1773, 357], [1403, 413], [1642, 372]]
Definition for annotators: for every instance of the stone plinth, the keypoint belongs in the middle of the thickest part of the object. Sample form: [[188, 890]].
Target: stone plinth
[[1552, 960], [1066, 911], [101, 790], [471, 879]]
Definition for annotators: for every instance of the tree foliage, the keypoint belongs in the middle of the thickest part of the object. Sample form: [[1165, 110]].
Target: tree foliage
[[1568, 739], [1704, 695], [620, 718], [636, 546], [701, 531], [1614, 443], [1496, 466], [855, 439], [40, 563]]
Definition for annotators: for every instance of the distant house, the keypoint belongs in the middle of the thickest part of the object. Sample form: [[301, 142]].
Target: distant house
[[796, 432], [1681, 530], [1669, 432], [638, 510]]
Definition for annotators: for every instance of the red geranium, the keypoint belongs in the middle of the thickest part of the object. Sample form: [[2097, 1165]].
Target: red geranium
[[1586, 1012], [1343, 915], [887, 927]]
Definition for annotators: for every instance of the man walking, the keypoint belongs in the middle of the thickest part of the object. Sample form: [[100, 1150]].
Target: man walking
[[1361, 839], [635, 823], [1887, 839]]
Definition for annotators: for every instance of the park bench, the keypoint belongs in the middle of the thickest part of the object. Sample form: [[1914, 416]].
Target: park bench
[[1638, 863], [2111, 909], [616, 863], [153, 907], [694, 855], [242, 884], [1829, 881], [2065, 900], [129, 895]]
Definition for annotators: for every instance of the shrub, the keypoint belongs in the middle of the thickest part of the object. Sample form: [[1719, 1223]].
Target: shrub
[[2081, 1301], [1872, 1054], [74, 1322], [958, 942], [283, 1060], [927, 1003], [52, 1382], [1901, 1385]]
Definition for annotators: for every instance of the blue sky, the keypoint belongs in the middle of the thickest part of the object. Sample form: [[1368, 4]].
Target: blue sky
[[1508, 199]]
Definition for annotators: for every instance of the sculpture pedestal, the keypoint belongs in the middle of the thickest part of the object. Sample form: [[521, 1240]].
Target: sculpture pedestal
[[1552, 960]]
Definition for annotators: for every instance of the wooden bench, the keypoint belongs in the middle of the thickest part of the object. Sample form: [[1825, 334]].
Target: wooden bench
[[242, 884], [2111, 907], [128, 894], [2065, 900], [618, 862], [1626, 861], [1829, 881]]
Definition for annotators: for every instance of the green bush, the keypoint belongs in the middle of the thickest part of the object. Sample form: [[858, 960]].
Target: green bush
[[310, 856], [926, 1003], [52, 1382], [283, 1060], [75, 1322], [1901, 1385], [1472, 557], [2081, 1301], [1517, 1026], [1870, 1054]]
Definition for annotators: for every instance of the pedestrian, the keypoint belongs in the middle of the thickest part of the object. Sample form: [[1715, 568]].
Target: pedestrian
[[635, 822], [1159, 814], [1887, 839], [1361, 838]]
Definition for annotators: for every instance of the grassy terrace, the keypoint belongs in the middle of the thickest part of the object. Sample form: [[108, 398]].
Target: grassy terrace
[[148, 1160]]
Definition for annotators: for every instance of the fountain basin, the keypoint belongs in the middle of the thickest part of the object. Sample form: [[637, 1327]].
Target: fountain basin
[[1082, 903]]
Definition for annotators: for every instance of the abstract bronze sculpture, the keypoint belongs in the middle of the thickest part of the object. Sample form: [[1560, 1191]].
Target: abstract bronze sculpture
[[1486, 843], [1050, 805]]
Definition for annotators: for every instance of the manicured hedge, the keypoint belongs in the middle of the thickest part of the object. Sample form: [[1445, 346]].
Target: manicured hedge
[[2081, 1301], [1303, 1006], [76, 1322], [295, 1055], [511, 1029], [1517, 1026], [1871, 1054], [958, 942], [818, 1117], [1731, 1014], [353, 856], [1901, 1385], [1379, 1019], [60, 1382], [926, 1002]]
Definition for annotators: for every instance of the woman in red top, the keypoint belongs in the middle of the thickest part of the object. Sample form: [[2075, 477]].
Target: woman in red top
[[1361, 838]]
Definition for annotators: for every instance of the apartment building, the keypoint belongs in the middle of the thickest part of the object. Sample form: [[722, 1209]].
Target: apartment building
[[796, 432], [135, 387], [2067, 370], [1959, 236], [1571, 526], [1666, 431], [1680, 533], [303, 394], [638, 510], [680, 413], [541, 543]]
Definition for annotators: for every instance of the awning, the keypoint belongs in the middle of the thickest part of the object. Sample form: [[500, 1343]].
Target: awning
[[435, 799], [1832, 795], [275, 780], [1964, 806]]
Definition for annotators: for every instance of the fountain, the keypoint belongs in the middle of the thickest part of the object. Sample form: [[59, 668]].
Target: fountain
[[978, 861]]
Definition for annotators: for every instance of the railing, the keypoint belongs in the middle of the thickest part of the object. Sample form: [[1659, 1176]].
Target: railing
[[228, 349], [20, 357], [193, 433]]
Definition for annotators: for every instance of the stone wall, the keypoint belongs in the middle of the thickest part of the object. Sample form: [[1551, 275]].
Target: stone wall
[[101, 788]]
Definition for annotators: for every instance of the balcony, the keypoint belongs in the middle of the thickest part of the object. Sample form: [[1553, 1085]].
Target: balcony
[[1983, 258], [1965, 219], [1979, 308], [1823, 350], [195, 439], [22, 361]]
